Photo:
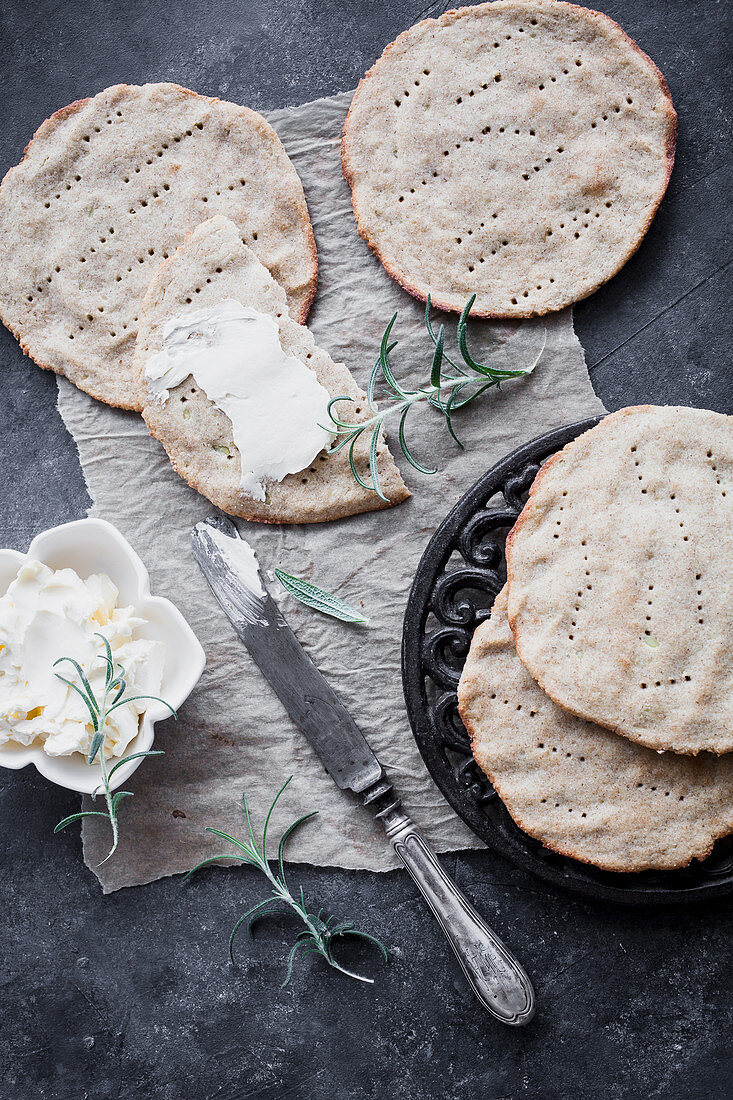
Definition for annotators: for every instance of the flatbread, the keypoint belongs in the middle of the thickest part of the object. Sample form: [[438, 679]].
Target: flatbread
[[212, 265], [108, 188], [620, 574], [579, 789], [517, 150]]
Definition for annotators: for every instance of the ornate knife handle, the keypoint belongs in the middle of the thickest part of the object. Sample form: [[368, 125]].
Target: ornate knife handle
[[493, 973]]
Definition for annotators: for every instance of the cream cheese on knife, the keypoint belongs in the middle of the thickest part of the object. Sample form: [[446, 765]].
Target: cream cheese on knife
[[274, 401], [242, 560]]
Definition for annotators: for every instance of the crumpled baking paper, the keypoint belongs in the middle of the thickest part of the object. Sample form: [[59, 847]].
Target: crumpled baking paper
[[233, 734]]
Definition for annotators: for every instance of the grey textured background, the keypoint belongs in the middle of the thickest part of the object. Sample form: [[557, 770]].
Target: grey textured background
[[132, 995]]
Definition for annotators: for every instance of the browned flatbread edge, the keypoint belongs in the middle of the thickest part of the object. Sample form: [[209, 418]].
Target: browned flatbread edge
[[559, 849]]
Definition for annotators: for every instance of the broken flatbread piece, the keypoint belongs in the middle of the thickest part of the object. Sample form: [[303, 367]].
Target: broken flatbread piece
[[620, 572], [579, 789], [214, 269], [108, 188], [515, 150]]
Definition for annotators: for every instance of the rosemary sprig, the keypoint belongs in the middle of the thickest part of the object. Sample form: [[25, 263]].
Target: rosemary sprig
[[112, 697], [445, 391], [319, 934], [319, 599]]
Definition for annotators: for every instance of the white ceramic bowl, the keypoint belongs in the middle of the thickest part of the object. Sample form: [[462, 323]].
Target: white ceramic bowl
[[95, 546]]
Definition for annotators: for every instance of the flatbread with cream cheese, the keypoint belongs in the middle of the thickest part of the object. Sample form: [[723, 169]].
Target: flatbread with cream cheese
[[210, 267]]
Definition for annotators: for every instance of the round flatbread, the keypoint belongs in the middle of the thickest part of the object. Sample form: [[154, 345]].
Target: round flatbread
[[579, 789], [108, 188], [515, 150], [213, 265], [620, 574]]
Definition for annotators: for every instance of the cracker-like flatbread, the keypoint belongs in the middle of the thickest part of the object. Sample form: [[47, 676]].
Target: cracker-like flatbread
[[517, 150], [580, 789], [107, 189], [621, 577], [211, 266]]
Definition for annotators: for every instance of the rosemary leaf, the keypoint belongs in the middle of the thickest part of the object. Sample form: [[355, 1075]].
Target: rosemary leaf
[[374, 463], [436, 371], [314, 597], [406, 450], [95, 746], [373, 376], [134, 756], [77, 817], [356, 475], [286, 836]]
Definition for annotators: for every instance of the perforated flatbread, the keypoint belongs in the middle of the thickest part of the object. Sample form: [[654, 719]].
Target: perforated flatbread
[[515, 150], [621, 577], [211, 266], [107, 189], [578, 788]]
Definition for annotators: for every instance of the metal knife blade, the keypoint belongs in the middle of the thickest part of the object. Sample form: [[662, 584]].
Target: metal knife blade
[[307, 697]]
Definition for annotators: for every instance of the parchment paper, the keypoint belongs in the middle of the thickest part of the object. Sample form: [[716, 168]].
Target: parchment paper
[[233, 734]]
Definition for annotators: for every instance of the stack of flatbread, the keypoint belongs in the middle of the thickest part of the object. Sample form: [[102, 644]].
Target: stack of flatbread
[[142, 204], [599, 695]]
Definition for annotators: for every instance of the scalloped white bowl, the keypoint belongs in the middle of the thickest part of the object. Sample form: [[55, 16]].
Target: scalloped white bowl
[[95, 546]]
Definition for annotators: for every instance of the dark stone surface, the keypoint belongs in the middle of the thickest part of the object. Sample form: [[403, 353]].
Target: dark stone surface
[[132, 995]]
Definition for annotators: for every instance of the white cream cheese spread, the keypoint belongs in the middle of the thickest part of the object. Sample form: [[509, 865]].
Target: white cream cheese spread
[[238, 554], [46, 614], [242, 560], [274, 401]]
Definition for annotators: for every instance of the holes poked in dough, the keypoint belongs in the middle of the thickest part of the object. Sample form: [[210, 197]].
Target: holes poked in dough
[[713, 466], [469, 139], [528, 293], [63, 188], [547, 159], [69, 183], [639, 472], [577, 222]]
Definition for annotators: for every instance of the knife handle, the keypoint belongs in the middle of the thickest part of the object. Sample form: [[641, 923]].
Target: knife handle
[[493, 973]]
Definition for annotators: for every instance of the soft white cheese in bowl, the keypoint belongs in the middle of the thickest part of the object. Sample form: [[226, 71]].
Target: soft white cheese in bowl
[[76, 578]]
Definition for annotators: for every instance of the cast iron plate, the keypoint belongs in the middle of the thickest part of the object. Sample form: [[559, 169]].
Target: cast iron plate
[[459, 574]]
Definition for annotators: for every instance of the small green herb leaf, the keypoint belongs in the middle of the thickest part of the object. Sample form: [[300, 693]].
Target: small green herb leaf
[[134, 756], [436, 370], [77, 817], [325, 602]]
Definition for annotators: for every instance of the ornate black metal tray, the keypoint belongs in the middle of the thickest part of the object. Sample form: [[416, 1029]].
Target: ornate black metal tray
[[459, 574]]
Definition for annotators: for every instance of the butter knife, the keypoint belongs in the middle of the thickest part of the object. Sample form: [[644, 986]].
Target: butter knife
[[229, 566]]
